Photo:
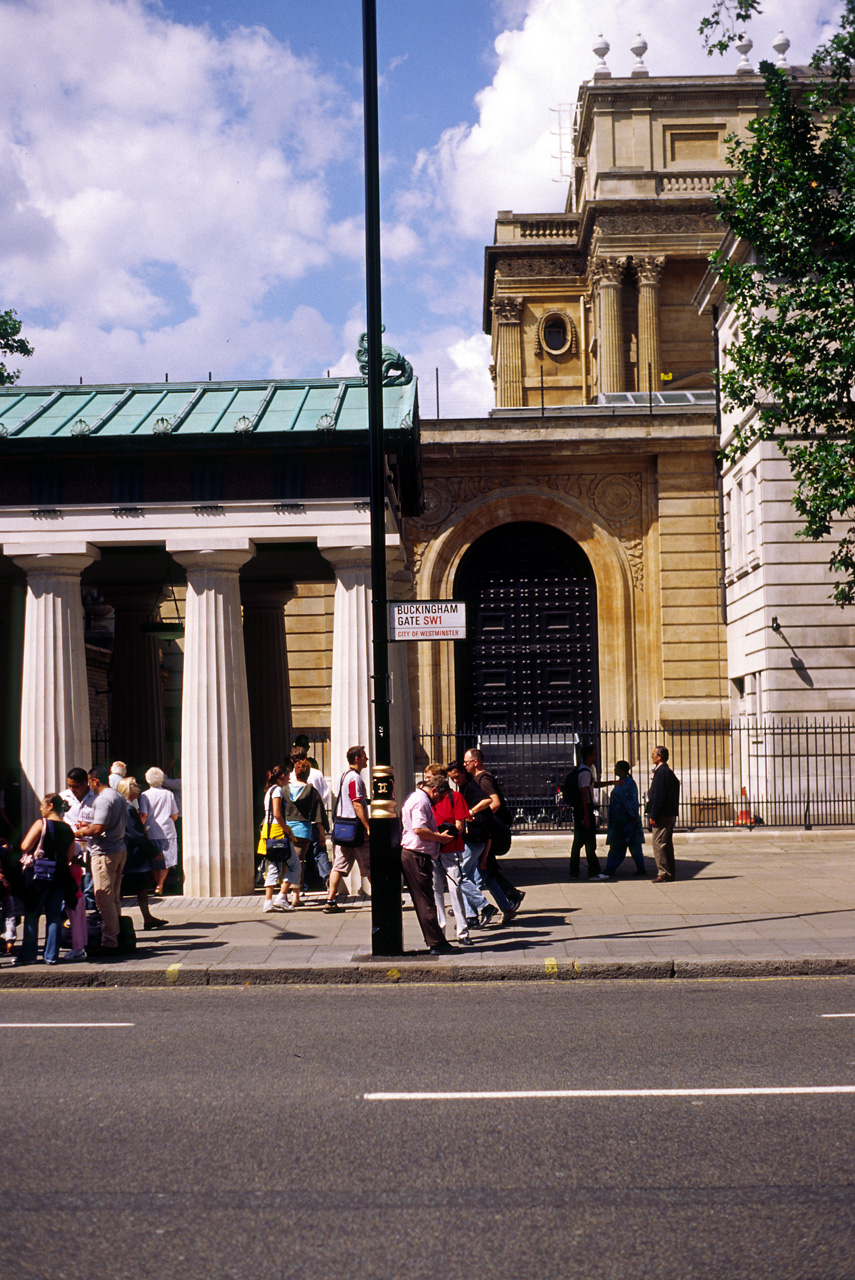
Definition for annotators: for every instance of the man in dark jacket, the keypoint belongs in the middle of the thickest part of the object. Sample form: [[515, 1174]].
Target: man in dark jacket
[[663, 804]]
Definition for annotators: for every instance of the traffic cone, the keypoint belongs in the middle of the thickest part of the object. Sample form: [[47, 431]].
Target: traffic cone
[[744, 818]]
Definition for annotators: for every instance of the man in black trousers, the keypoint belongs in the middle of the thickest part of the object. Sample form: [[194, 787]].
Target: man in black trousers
[[663, 804]]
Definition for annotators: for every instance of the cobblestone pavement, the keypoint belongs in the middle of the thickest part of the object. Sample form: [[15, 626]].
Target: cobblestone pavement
[[747, 903]]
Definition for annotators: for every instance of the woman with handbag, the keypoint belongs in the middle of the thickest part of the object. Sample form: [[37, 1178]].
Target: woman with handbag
[[281, 862], [47, 881]]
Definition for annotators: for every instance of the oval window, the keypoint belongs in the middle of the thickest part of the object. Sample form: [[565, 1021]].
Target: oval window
[[555, 334]]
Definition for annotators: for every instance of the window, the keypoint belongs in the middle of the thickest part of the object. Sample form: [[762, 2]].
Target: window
[[556, 334]]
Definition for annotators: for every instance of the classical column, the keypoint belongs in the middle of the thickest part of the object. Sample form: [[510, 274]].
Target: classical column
[[218, 829], [608, 273], [351, 720], [508, 313], [649, 358], [268, 683], [137, 731], [55, 733]]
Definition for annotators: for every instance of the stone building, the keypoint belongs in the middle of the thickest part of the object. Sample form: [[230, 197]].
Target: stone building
[[582, 519]]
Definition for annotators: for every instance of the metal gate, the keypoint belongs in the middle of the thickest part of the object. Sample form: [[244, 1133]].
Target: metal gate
[[530, 658]]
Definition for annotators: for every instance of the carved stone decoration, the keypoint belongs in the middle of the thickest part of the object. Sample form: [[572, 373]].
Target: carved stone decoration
[[507, 310], [649, 270], [616, 500], [608, 270], [682, 223], [564, 264], [437, 502]]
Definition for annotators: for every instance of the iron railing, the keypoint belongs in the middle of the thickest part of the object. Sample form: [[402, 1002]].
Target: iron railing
[[788, 774]]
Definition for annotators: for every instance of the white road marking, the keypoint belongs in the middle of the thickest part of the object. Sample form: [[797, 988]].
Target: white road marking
[[500, 1094], [837, 1015], [67, 1024]]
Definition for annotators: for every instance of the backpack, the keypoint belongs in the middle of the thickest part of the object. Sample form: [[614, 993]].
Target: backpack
[[571, 792]]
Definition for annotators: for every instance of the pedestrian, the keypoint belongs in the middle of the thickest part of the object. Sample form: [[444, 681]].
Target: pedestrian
[[579, 793], [421, 842], [625, 830], [304, 809], [663, 807], [118, 769], [158, 811], [489, 813], [47, 882], [351, 803], [479, 912], [80, 799], [450, 812], [145, 857], [319, 830], [106, 833], [281, 864]]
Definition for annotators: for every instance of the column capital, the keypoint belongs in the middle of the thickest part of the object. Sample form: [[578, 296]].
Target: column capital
[[266, 595], [608, 271], [649, 270], [352, 557], [506, 309], [212, 560], [52, 564]]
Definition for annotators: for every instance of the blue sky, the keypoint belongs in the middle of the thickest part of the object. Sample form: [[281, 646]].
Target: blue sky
[[181, 183]]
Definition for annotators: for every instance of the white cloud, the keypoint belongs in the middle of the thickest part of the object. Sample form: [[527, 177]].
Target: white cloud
[[132, 140], [505, 159]]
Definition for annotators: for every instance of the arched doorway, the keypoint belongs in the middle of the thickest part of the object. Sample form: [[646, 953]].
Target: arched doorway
[[529, 662]]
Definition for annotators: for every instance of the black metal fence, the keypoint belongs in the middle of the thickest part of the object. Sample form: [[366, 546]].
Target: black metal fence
[[793, 774]]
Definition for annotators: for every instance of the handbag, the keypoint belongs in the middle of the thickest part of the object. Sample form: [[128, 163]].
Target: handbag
[[44, 868], [346, 831], [271, 845]]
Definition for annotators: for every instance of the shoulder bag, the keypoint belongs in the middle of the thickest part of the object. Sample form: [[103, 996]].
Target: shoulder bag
[[347, 832]]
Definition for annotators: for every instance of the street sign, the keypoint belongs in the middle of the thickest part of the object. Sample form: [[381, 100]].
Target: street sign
[[427, 620]]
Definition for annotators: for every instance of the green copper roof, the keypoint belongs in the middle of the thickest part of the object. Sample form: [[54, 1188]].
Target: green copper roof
[[204, 408]]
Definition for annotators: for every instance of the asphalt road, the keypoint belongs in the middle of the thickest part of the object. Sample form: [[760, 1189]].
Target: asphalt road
[[227, 1133]]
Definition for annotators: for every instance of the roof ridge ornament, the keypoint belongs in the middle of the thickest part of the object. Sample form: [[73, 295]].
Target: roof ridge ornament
[[395, 369], [639, 48], [744, 45], [781, 44], [600, 49]]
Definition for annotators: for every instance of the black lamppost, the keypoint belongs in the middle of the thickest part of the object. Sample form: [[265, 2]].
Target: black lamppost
[[387, 938]]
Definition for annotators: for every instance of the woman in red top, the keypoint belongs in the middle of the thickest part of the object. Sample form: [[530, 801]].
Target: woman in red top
[[451, 812]]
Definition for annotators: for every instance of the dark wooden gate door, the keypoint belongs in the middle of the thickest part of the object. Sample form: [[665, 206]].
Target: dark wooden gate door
[[530, 659]]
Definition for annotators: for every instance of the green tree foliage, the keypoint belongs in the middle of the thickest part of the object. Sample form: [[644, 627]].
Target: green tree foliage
[[11, 344], [792, 198]]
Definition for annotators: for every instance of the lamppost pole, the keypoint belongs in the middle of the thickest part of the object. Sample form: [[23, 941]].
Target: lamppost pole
[[386, 920]]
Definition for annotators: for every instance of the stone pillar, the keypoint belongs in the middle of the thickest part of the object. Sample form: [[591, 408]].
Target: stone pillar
[[137, 731], [218, 829], [352, 718], [649, 358], [268, 684], [507, 314], [55, 733], [608, 273]]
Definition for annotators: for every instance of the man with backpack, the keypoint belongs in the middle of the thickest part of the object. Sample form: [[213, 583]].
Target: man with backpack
[[492, 820], [578, 793]]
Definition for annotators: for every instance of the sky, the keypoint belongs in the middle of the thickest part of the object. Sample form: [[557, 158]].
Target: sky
[[181, 183]]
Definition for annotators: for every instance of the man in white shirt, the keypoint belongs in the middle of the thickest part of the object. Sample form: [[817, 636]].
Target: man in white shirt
[[81, 802]]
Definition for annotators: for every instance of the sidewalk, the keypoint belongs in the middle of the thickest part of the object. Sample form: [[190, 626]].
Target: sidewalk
[[746, 903]]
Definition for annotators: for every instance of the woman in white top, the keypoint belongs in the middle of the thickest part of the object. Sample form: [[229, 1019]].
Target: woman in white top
[[158, 810]]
